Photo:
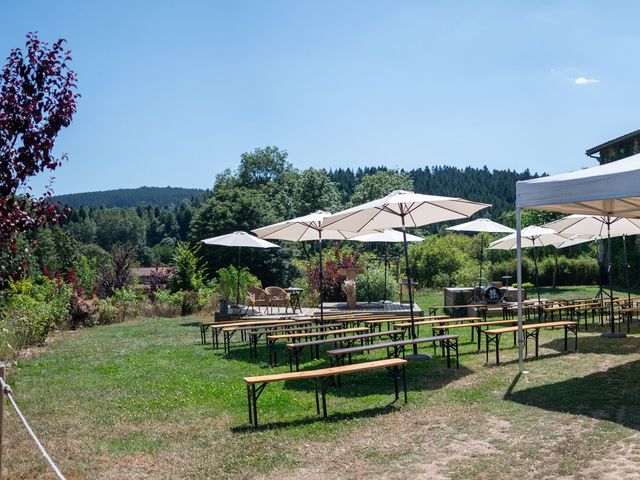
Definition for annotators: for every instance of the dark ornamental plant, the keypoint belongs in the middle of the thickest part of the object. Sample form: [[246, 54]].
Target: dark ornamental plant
[[38, 96]]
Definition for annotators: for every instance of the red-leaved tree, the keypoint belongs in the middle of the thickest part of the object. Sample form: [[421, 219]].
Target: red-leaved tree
[[38, 96]]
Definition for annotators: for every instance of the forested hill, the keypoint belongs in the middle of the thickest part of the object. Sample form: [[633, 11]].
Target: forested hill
[[129, 197], [480, 184]]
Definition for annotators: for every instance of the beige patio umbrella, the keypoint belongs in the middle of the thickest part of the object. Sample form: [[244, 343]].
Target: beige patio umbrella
[[402, 209], [311, 227], [239, 239], [532, 236]]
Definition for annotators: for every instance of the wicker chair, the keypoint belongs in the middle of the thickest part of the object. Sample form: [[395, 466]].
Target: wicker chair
[[279, 298], [257, 297]]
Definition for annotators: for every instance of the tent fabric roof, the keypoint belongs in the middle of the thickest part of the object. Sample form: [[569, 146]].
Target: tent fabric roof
[[610, 189]]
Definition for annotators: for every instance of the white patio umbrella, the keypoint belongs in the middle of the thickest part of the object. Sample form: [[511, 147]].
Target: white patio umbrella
[[532, 236], [481, 225], [387, 236], [306, 228], [404, 209], [600, 226], [239, 239]]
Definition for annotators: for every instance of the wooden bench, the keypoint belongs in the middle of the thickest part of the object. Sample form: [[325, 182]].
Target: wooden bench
[[272, 339], [377, 323], [441, 321], [295, 349], [477, 327], [229, 330], [530, 330], [216, 327], [256, 385], [256, 332], [396, 348], [481, 309], [626, 315]]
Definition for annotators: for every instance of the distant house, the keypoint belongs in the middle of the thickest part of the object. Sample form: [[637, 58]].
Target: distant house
[[616, 149], [158, 276]]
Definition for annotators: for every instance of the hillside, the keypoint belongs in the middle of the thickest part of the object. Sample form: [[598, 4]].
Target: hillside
[[129, 197]]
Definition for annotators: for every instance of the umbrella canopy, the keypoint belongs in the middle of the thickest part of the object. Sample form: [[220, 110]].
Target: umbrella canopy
[[239, 239], [306, 228], [404, 209], [388, 235], [533, 236], [595, 225], [482, 225]]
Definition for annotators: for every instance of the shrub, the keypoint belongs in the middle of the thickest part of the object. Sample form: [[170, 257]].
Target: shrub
[[107, 311], [188, 274], [371, 285], [228, 282]]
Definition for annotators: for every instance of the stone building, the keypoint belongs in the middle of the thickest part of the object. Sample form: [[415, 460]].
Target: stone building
[[616, 149]]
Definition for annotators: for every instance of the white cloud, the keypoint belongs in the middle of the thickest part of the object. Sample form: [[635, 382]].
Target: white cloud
[[585, 80]]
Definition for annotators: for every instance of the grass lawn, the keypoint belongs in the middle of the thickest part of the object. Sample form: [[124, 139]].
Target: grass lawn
[[144, 399]]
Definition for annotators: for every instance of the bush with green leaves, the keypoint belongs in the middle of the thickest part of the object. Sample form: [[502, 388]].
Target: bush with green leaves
[[30, 311], [370, 285], [228, 282], [188, 274]]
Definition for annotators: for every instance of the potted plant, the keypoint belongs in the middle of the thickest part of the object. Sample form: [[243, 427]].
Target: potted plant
[[227, 286], [349, 289]]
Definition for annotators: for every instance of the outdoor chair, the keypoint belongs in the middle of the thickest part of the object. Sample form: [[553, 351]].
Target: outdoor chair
[[279, 298], [257, 297]]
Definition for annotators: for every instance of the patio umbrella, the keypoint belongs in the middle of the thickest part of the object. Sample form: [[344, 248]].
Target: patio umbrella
[[481, 225], [306, 228], [532, 236], [386, 236], [404, 209], [239, 239], [600, 226]]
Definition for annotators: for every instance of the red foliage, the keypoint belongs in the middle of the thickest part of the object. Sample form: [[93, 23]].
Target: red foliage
[[37, 99], [333, 274]]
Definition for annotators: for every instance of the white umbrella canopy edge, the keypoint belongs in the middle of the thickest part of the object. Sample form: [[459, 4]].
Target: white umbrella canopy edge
[[481, 225], [239, 239]]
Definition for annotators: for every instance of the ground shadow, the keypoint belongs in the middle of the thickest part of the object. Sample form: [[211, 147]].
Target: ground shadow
[[611, 395], [597, 344], [331, 418]]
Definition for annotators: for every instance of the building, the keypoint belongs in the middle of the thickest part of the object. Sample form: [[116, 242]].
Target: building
[[616, 149]]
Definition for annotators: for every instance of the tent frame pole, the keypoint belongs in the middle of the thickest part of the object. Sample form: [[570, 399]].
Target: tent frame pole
[[519, 281]]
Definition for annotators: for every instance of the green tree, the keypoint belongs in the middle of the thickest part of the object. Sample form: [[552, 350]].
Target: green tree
[[380, 184], [314, 190], [188, 274]]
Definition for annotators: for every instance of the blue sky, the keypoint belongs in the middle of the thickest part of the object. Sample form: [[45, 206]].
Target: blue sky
[[173, 92]]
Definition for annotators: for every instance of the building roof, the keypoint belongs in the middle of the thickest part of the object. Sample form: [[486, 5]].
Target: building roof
[[148, 271], [604, 145]]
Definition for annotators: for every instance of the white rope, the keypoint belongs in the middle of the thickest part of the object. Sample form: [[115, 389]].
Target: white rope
[[7, 391]]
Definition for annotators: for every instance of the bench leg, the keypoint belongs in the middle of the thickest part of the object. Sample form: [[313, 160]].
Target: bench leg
[[249, 404], [254, 406], [317, 400], [449, 353], [404, 382], [498, 349], [479, 334]]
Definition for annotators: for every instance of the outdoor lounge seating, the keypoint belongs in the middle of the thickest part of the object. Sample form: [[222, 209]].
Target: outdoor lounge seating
[[256, 385], [257, 297], [278, 297]]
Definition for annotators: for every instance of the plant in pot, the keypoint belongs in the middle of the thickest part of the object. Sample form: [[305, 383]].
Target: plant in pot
[[227, 284]]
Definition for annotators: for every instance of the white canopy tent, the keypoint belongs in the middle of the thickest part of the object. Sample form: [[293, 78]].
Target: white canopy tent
[[612, 189]]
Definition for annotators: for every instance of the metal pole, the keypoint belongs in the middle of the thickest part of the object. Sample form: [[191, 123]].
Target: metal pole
[[481, 259], [519, 283], [408, 272], [535, 269], [238, 286], [627, 267], [321, 279], [610, 272], [386, 251]]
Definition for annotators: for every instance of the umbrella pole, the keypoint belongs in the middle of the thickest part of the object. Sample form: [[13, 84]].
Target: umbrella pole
[[238, 283], [627, 267], [386, 259], [535, 269], [408, 271], [481, 259], [321, 279]]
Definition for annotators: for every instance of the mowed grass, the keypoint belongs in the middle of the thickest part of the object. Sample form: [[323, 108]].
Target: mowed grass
[[145, 400]]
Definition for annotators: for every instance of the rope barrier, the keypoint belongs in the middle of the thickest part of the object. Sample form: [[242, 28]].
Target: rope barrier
[[7, 391]]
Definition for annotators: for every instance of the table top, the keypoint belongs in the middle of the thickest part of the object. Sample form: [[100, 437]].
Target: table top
[[293, 289]]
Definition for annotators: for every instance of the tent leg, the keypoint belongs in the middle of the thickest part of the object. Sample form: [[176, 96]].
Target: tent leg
[[519, 282]]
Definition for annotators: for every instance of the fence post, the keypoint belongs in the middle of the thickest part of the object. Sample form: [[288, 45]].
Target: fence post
[[1, 420]]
